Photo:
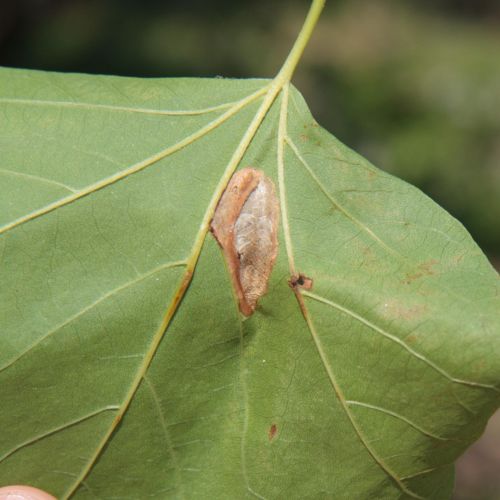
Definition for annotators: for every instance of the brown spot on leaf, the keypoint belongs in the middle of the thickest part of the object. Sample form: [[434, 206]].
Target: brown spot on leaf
[[272, 432], [424, 269], [300, 281], [245, 225]]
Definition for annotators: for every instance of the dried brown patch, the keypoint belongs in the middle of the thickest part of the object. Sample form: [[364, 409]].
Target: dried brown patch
[[245, 225]]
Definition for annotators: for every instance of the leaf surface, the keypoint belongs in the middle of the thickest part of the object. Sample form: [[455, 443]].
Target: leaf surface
[[127, 371]]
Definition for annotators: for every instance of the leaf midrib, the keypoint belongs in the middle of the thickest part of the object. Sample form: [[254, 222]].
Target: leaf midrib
[[270, 92]]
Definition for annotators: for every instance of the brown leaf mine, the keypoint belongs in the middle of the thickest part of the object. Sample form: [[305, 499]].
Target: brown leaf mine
[[245, 225]]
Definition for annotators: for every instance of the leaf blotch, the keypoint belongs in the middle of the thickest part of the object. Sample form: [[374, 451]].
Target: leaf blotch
[[423, 270], [272, 432], [245, 226]]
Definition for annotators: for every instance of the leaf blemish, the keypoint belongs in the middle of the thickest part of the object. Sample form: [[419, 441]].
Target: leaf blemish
[[272, 432], [245, 225], [423, 270], [300, 281]]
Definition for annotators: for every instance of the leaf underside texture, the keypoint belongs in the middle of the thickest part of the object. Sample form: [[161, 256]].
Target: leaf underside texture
[[126, 369]]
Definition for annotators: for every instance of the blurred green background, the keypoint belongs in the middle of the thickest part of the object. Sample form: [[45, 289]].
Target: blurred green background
[[413, 85]]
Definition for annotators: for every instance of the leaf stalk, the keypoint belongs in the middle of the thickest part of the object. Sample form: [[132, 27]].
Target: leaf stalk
[[286, 72]]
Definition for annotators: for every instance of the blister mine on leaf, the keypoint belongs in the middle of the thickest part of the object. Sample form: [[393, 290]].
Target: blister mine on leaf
[[245, 226]]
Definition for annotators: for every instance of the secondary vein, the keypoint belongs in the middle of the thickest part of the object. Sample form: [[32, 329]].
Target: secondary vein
[[137, 167], [398, 341]]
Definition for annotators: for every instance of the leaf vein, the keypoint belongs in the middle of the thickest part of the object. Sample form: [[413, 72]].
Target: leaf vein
[[270, 91], [37, 179], [336, 203], [55, 430], [398, 341], [89, 307], [283, 137], [340, 395], [137, 167], [399, 417], [111, 107], [168, 440]]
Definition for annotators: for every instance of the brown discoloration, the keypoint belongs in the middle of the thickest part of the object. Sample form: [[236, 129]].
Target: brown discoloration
[[184, 284], [424, 269], [300, 299], [297, 283], [245, 225], [300, 281], [370, 260], [272, 432]]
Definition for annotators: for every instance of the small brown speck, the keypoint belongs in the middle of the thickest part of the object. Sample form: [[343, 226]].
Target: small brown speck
[[272, 432]]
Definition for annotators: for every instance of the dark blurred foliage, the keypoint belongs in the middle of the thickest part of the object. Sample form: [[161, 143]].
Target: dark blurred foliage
[[413, 85], [486, 9]]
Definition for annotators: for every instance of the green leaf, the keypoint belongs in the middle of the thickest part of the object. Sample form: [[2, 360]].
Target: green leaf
[[126, 369]]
